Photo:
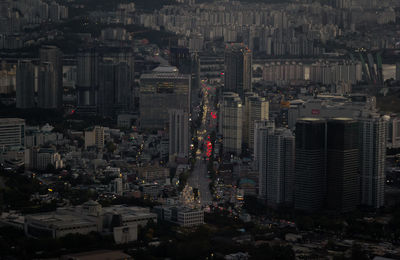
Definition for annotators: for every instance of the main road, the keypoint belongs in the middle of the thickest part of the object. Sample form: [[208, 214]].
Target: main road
[[199, 176]]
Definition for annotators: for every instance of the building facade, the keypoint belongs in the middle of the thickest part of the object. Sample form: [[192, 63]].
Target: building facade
[[343, 179], [238, 69], [310, 175], [231, 120]]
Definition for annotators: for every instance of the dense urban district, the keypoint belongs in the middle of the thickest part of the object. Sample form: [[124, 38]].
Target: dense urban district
[[200, 129]]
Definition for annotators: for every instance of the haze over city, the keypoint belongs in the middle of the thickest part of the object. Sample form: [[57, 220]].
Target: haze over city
[[200, 129]]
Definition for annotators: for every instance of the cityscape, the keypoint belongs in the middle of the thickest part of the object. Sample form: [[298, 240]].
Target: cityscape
[[199, 129]]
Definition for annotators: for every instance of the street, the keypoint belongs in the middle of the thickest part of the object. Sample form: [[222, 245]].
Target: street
[[199, 176]]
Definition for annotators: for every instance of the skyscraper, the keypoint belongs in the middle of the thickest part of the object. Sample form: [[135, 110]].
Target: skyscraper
[[238, 69], [280, 167], [106, 91], [25, 84], [230, 115], [87, 80], [50, 78], [105, 78], [256, 109], [310, 176], [163, 89], [178, 133], [373, 135], [261, 131], [343, 180], [48, 91]]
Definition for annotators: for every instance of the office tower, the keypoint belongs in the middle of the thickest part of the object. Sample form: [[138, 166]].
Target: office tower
[[238, 70], [256, 109], [231, 120], [280, 167], [50, 78], [105, 78], [310, 179], [87, 80], [188, 63], [48, 92], [25, 84], [373, 135], [261, 131], [343, 180], [122, 88], [12, 133], [105, 100], [163, 89], [114, 93], [178, 133]]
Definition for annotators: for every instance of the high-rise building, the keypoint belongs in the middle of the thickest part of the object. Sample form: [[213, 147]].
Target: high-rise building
[[50, 78], [105, 99], [238, 69], [178, 133], [373, 135], [343, 178], [256, 109], [231, 120], [25, 84], [12, 133], [105, 81], [163, 89], [261, 131], [310, 175], [280, 167], [47, 87], [87, 80]]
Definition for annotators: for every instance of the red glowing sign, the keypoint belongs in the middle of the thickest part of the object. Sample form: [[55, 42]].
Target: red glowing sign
[[209, 148], [213, 115], [315, 111]]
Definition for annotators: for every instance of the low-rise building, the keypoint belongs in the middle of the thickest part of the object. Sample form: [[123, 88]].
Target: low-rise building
[[120, 220], [182, 216]]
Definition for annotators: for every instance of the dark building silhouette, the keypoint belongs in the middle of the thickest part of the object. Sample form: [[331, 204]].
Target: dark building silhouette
[[238, 70], [343, 180], [25, 91], [310, 179], [50, 89]]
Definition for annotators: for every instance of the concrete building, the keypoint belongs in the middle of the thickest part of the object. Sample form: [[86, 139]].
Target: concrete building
[[178, 133], [256, 108], [310, 175], [238, 69], [87, 80], [50, 92], [394, 133], [330, 106], [279, 167], [95, 137], [231, 120], [25, 90], [114, 93], [122, 221], [12, 133], [261, 131], [160, 91], [373, 136], [182, 216], [343, 178], [44, 157]]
